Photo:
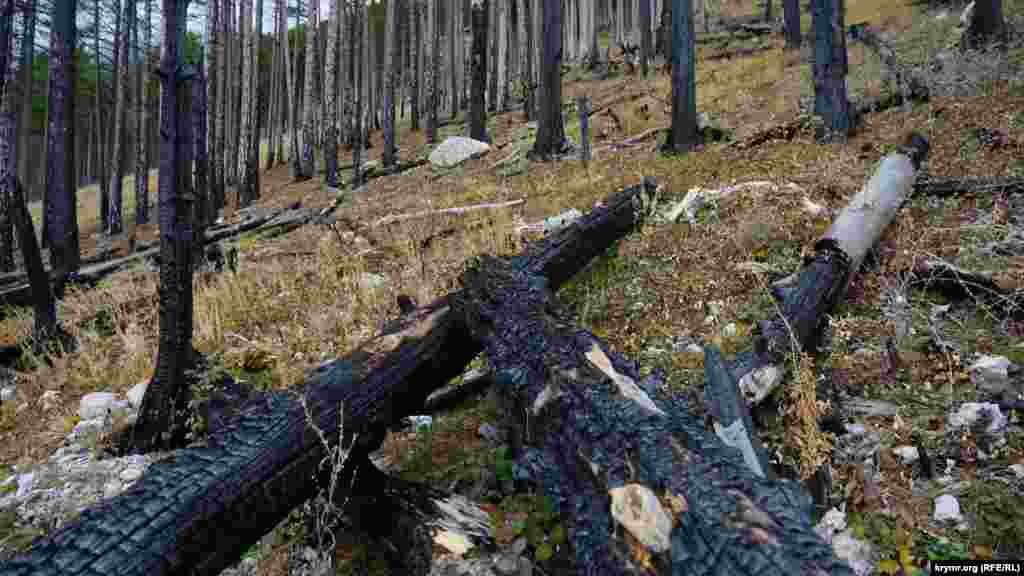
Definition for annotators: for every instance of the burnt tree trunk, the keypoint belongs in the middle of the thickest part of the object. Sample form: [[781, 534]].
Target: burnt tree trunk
[[987, 25], [61, 214], [550, 129], [791, 15], [358, 71], [645, 36], [477, 104], [830, 101], [8, 164], [390, 61], [115, 221], [683, 135], [165, 400]]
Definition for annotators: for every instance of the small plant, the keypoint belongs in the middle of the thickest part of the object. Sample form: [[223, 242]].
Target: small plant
[[503, 464], [534, 518]]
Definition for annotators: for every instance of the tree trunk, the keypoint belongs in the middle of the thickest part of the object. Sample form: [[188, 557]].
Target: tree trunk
[[330, 123], [433, 96], [645, 36], [101, 127], [274, 91], [61, 213], [246, 189], [502, 13], [830, 68], [791, 16], [258, 107], [477, 109], [8, 141], [683, 135], [309, 109], [231, 76], [492, 55], [550, 129], [390, 61], [24, 116], [218, 157], [356, 42], [767, 10], [213, 57], [141, 123], [203, 213], [526, 58], [115, 223], [416, 62], [290, 104], [453, 62], [165, 399]]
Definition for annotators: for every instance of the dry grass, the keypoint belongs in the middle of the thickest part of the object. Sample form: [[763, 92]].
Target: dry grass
[[308, 296]]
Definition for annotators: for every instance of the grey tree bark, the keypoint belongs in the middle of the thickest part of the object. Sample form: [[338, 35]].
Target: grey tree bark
[[104, 183], [356, 36], [330, 98], [390, 61], [830, 101], [492, 55], [141, 122], [309, 114], [24, 116], [290, 106], [253, 174], [219, 157], [550, 128], [8, 140], [502, 38], [433, 96], [246, 189], [232, 47], [115, 223], [416, 61], [683, 135], [645, 36]]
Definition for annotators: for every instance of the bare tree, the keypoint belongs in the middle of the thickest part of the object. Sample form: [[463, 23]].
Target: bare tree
[[24, 116], [550, 128], [390, 60], [61, 214], [8, 141], [683, 135], [356, 39], [115, 224], [830, 102], [165, 401], [791, 16], [433, 72], [246, 191], [330, 105], [477, 108], [309, 115], [416, 61], [141, 121], [214, 50], [293, 141]]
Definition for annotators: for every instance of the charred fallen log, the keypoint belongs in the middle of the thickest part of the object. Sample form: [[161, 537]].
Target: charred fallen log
[[199, 510], [642, 486], [957, 284]]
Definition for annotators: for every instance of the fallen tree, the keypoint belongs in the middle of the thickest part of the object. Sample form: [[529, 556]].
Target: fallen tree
[[809, 296], [254, 471], [942, 186]]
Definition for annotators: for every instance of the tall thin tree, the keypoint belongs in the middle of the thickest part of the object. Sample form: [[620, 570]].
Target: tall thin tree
[[245, 192], [24, 115], [791, 20], [683, 135], [433, 74], [477, 105], [550, 128], [61, 213], [309, 114], [141, 123], [330, 85], [101, 152], [358, 77], [253, 174], [8, 140], [415, 59], [830, 66], [212, 62], [165, 399], [390, 60], [115, 224]]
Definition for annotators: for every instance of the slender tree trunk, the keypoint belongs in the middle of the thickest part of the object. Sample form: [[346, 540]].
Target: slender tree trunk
[[502, 77], [791, 14], [115, 223], [330, 84], [213, 83], [309, 109], [525, 44], [432, 69], [246, 193], [356, 35], [166, 395], [104, 183], [290, 105], [203, 212], [367, 54], [453, 62], [645, 36], [416, 61], [219, 156], [233, 42], [477, 109], [550, 128], [830, 68], [537, 29], [141, 122], [8, 142], [257, 109], [683, 135], [391, 58], [28, 89], [492, 55], [275, 92], [620, 21], [61, 214]]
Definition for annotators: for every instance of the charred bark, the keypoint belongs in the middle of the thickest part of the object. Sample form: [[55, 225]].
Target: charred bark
[[683, 135], [477, 104], [550, 128], [830, 68]]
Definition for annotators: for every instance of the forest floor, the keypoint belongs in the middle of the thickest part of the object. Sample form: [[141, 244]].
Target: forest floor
[[318, 292]]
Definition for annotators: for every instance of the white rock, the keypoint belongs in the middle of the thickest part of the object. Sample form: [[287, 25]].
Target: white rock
[[758, 384], [456, 150], [832, 523], [135, 394], [638, 510], [1018, 469], [859, 554], [906, 454], [969, 413], [7, 393], [991, 374], [947, 508], [112, 488], [95, 405], [25, 482], [130, 475]]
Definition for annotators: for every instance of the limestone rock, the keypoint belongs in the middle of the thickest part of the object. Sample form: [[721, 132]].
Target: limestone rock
[[457, 149]]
